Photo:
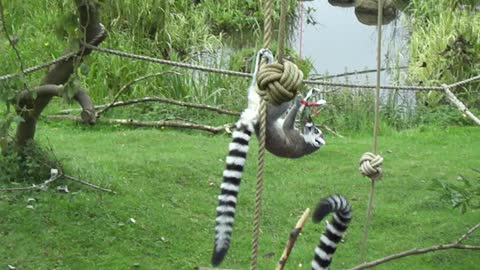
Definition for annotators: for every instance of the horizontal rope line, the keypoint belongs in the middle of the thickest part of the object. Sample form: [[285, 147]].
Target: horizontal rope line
[[231, 72], [37, 68]]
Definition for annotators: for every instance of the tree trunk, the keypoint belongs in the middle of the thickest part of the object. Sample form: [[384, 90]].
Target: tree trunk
[[31, 103]]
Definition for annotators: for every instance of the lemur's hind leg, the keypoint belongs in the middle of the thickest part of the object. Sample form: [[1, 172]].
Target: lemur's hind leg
[[275, 112], [289, 122]]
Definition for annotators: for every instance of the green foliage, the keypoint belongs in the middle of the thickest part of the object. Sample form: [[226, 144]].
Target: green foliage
[[33, 164], [464, 194], [445, 47]]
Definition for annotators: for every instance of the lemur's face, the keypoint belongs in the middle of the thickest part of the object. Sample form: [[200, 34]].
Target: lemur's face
[[313, 134]]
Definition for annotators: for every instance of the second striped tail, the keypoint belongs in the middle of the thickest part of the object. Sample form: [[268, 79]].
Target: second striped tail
[[334, 230]]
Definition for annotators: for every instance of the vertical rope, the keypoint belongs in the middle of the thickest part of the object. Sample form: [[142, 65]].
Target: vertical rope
[[375, 129], [300, 35], [281, 31], [267, 25], [267, 37], [259, 185]]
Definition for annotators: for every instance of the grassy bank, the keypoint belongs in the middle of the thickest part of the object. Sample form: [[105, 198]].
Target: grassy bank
[[167, 181], [444, 47]]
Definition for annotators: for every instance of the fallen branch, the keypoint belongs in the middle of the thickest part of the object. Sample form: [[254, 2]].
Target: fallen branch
[[160, 123], [158, 99], [417, 251], [55, 175], [291, 239], [126, 86], [460, 106], [88, 184]]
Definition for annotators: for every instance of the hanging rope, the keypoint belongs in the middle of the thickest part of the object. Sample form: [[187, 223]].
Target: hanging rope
[[267, 37], [370, 162], [277, 83], [300, 34]]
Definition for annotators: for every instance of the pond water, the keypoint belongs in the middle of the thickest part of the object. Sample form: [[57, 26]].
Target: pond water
[[338, 42]]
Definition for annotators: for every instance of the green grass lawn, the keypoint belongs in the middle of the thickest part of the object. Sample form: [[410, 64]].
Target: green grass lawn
[[168, 182]]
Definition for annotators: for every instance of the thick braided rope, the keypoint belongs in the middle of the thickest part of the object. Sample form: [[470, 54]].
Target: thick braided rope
[[461, 107], [370, 162], [267, 37], [279, 83], [370, 165]]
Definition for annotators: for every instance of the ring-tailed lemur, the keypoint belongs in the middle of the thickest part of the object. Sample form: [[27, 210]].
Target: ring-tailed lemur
[[334, 231], [282, 139]]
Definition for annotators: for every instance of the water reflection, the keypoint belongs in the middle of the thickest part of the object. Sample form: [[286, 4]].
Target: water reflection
[[342, 3], [339, 43], [367, 12]]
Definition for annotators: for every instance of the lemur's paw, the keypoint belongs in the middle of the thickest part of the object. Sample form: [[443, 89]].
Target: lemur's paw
[[298, 99]]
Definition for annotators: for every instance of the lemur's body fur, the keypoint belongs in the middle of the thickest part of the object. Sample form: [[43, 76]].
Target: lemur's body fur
[[282, 139]]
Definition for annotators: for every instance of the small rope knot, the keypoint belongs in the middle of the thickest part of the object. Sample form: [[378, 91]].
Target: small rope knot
[[279, 83], [370, 165]]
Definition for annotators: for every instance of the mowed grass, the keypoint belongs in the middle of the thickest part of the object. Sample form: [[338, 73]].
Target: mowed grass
[[168, 180]]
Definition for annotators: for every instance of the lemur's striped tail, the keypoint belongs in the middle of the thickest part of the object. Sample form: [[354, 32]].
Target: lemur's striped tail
[[334, 231], [232, 175]]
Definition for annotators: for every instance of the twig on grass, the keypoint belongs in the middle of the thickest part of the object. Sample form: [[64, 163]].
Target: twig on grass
[[55, 175], [417, 251], [88, 184]]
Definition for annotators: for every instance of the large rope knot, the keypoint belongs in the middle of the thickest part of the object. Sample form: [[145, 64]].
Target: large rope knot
[[279, 83], [370, 165]]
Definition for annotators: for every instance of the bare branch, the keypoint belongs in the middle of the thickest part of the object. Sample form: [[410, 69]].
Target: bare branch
[[158, 99], [291, 239], [467, 234], [169, 101], [418, 251], [157, 124], [88, 109], [52, 179], [42, 186], [88, 184], [126, 86]]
